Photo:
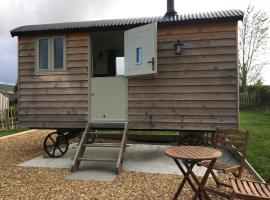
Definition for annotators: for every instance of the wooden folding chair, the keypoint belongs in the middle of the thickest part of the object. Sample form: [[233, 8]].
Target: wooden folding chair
[[236, 142], [251, 190]]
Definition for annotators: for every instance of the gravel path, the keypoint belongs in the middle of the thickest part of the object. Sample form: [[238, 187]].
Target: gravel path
[[40, 183]]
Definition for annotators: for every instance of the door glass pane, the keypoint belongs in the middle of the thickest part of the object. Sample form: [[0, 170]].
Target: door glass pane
[[58, 53], [43, 54]]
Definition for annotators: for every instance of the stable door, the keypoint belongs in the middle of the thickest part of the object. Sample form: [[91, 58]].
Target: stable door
[[108, 99], [116, 56]]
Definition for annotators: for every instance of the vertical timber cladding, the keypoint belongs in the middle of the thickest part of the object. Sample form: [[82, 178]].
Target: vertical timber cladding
[[194, 91], [54, 99]]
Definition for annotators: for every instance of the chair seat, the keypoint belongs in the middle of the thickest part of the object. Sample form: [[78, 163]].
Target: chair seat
[[220, 166], [245, 189]]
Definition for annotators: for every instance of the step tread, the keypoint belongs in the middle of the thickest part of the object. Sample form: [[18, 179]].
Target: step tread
[[102, 145], [105, 132], [99, 160]]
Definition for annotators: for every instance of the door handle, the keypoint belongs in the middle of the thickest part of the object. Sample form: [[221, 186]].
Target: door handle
[[153, 63]]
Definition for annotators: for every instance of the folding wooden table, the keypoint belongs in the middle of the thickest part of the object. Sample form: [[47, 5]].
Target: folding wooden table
[[191, 155]]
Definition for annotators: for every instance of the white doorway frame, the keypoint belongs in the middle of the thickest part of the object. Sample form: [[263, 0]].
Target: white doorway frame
[[90, 72]]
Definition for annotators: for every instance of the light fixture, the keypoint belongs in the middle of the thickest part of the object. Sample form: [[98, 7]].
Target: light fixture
[[178, 47]]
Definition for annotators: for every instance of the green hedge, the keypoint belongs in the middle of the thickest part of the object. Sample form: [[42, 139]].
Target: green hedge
[[263, 91]]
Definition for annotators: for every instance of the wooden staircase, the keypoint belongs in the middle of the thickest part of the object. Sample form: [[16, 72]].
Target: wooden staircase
[[90, 130]]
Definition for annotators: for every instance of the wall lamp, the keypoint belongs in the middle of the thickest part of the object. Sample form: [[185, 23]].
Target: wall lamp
[[178, 47]]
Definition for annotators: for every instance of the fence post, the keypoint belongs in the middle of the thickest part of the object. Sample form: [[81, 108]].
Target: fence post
[[11, 118], [250, 99], [2, 119], [6, 118]]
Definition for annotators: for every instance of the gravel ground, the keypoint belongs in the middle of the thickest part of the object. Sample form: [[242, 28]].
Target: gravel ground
[[41, 183]]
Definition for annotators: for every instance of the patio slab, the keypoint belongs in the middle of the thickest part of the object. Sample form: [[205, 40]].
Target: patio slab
[[147, 158]]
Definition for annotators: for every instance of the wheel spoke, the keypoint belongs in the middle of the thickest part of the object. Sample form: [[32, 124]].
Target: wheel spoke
[[59, 149], [52, 140], [54, 150]]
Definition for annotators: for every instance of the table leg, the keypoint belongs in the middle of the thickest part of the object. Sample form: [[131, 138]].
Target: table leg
[[186, 178], [201, 184], [183, 172], [197, 182]]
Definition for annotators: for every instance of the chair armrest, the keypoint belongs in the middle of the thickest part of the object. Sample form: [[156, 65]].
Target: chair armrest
[[231, 169], [203, 163]]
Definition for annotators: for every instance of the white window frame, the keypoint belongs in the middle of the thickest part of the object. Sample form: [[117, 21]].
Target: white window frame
[[51, 67]]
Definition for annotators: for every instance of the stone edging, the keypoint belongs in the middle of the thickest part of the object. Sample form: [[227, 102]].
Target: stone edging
[[16, 134], [253, 171]]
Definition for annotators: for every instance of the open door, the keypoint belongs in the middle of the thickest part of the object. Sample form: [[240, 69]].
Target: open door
[[108, 96], [141, 50]]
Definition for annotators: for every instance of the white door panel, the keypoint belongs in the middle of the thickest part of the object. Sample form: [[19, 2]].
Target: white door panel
[[141, 50], [108, 99]]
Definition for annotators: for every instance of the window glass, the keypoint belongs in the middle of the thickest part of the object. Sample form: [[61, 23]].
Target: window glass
[[43, 54], [58, 53], [138, 55]]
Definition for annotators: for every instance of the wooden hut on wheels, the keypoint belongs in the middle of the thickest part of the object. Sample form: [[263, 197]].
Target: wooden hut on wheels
[[174, 72]]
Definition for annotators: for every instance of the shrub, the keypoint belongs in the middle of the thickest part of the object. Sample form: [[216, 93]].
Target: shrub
[[263, 91]]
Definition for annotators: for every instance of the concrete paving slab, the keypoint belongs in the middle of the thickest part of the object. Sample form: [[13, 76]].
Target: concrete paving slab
[[95, 171], [151, 159], [63, 162], [139, 158]]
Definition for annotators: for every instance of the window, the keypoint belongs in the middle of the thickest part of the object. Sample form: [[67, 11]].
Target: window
[[58, 53], [51, 54], [43, 53], [139, 56]]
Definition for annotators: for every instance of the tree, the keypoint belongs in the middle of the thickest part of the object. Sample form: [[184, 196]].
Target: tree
[[253, 37], [259, 82], [15, 89]]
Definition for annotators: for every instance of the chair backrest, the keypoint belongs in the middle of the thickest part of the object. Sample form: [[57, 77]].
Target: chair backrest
[[235, 141], [268, 181]]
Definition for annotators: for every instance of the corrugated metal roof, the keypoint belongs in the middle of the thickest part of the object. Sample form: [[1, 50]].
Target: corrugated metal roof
[[124, 23]]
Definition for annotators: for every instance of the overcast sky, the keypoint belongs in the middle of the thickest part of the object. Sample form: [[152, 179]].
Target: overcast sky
[[14, 13]]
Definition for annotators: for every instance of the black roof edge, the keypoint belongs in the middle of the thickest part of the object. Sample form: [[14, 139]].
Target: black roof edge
[[107, 28]]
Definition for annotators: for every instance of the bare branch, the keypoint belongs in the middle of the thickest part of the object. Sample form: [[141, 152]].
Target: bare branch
[[253, 36]]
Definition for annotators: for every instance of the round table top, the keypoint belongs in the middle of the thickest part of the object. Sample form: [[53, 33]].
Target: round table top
[[193, 153]]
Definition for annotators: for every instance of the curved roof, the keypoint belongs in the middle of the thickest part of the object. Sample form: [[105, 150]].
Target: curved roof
[[114, 24]]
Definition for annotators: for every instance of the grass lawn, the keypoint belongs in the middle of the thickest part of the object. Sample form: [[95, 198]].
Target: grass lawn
[[9, 132], [258, 123]]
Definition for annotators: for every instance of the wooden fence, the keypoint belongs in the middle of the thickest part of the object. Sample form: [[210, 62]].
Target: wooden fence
[[9, 119], [4, 102], [249, 99]]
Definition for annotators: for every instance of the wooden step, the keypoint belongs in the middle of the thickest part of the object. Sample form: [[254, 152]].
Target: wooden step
[[97, 160], [102, 145], [88, 132]]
